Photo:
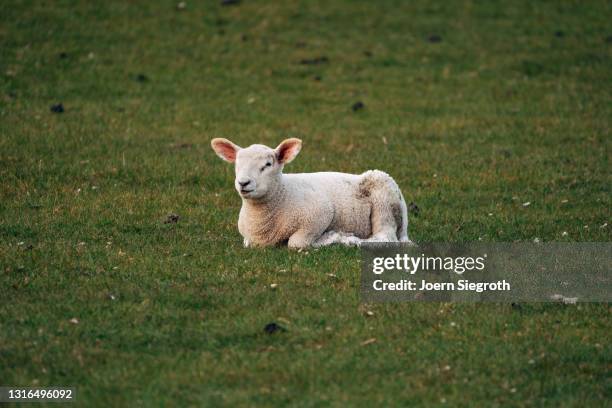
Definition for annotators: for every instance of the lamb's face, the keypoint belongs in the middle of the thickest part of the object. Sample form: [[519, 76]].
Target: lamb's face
[[257, 171], [258, 167]]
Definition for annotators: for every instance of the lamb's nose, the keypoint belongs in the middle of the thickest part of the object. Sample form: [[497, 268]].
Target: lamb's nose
[[244, 183]]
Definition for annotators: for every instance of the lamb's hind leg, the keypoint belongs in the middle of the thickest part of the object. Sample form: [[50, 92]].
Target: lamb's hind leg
[[383, 235], [333, 237], [386, 200]]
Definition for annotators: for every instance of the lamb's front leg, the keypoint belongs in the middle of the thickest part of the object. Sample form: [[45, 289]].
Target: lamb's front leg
[[302, 239], [312, 227], [333, 237]]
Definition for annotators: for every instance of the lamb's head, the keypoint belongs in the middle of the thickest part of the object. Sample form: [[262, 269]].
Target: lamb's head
[[258, 167]]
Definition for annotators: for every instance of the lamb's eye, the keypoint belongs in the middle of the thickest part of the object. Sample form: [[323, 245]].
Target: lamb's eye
[[268, 164]]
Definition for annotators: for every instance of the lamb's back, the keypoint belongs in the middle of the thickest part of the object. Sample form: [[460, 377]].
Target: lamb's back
[[351, 208]]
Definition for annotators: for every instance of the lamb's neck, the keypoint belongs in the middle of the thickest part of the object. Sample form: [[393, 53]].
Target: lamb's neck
[[272, 203]]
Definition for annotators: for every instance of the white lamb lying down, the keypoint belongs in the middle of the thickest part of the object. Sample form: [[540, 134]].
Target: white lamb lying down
[[311, 209]]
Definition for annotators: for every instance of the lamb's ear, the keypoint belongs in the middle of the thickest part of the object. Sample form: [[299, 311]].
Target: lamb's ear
[[225, 149], [288, 149]]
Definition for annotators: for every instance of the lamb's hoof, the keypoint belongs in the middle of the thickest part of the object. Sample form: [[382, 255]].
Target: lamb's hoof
[[351, 241]]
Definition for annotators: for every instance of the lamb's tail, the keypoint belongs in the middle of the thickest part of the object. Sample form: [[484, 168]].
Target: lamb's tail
[[402, 229]]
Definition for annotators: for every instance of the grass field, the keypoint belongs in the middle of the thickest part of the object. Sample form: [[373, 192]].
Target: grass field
[[474, 107]]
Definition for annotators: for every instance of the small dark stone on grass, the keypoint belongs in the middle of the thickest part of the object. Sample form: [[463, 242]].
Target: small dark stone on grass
[[63, 55], [414, 209], [516, 306], [172, 219], [142, 78], [434, 38], [317, 78], [315, 61], [368, 54], [559, 34], [357, 106], [230, 2], [244, 37], [273, 327], [58, 108]]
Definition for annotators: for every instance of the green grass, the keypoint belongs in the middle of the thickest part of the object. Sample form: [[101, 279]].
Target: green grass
[[512, 105]]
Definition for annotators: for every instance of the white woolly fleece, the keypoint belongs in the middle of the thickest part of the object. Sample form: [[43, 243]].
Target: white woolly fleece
[[311, 209]]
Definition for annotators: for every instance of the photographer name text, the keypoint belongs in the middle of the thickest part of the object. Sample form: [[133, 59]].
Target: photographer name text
[[462, 285]]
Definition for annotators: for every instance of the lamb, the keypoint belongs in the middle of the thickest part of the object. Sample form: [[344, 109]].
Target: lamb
[[311, 209]]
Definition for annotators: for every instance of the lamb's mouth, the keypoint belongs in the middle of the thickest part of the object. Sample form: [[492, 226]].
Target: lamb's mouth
[[245, 192]]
